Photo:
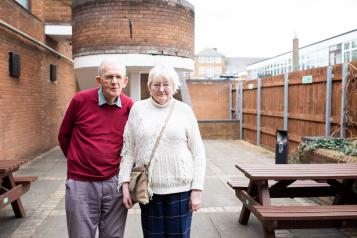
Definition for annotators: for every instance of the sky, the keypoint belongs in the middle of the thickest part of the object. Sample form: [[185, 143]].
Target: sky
[[266, 28]]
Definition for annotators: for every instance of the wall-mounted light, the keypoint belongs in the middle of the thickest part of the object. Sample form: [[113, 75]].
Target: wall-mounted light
[[53, 72], [14, 65]]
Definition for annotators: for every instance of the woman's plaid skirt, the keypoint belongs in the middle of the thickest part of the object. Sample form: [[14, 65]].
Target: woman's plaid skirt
[[167, 216]]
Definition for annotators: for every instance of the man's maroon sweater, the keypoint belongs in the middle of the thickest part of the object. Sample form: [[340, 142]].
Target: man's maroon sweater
[[91, 136]]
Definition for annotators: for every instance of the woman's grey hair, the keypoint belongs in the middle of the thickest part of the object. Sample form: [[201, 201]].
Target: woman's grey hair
[[166, 72], [109, 62]]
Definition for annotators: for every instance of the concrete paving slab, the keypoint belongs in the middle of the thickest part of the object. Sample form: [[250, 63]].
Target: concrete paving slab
[[202, 226], [54, 226], [217, 194], [226, 225], [133, 227]]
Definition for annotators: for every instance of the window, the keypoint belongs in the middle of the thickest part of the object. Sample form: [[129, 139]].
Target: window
[[209, 72], [346, 45], [354, 44], [217, 70], [346, 57], [354, 55], [202, 70], [350, 51], [25, 3], [218, 60], [308, 62]]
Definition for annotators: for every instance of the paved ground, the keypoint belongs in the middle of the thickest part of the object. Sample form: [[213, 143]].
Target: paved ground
[[44, 202]]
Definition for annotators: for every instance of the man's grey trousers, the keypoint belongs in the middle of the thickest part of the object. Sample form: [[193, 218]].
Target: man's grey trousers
[[92, 205]]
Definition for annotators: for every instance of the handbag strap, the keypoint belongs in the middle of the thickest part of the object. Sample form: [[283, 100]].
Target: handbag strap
[[160, 135]]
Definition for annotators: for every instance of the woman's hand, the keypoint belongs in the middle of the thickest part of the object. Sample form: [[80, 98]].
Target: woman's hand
[[128, 203], [195, 200]]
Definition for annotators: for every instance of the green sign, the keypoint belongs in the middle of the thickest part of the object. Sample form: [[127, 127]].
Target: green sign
[[6, 200], [307, 79]]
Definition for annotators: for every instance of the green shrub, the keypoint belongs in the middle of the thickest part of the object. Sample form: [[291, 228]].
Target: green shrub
[[348, 147]]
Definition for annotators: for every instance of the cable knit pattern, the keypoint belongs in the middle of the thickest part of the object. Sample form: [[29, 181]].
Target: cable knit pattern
[[179, 162]]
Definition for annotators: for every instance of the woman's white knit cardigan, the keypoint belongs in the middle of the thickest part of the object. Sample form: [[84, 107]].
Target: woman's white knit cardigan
[[179, 162]]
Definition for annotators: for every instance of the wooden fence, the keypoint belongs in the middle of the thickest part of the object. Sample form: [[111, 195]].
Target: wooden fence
[[305, 103]]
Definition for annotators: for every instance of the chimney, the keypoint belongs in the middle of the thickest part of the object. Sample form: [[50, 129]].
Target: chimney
[[295, 61], [214, 49]]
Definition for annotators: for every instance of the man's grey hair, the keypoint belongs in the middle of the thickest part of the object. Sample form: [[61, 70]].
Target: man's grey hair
[[110, 62], [166, 72]]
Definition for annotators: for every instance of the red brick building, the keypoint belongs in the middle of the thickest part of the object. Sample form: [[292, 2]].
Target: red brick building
[[209, 64], [31, 105]]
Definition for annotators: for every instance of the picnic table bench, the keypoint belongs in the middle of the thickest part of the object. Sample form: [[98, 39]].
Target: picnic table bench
[[297, 180], [13, 187], [308, 188]]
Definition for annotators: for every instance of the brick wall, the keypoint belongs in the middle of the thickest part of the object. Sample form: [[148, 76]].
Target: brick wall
[[58, 11], [151, 26], [37, 8], [228, 130], [18, 17], [209, 98], [31, 107], [64, 47], [52, 11]]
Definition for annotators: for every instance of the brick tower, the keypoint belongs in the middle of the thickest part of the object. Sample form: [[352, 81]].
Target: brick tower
[[138, 33]]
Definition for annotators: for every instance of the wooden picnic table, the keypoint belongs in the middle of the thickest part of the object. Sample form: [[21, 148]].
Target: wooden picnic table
[[13, 187], [298, 180]]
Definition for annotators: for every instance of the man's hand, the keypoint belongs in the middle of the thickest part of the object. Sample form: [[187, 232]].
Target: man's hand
[[195, 200], [128, 203]]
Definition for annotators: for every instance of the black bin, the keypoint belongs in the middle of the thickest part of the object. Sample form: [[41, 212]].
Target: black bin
[[281, 147]]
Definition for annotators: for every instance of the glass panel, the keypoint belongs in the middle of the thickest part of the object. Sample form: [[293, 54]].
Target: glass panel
[[346, 45], [346, 57], [354, 55], [354, 44]]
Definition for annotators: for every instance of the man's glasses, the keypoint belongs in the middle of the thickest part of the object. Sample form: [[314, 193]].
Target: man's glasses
[[110, 78], [157, 86]]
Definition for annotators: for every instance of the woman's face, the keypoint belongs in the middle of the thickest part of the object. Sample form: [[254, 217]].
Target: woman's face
[[161, 90]]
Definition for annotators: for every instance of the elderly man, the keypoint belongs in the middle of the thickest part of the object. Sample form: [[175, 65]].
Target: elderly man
[[91, 137]]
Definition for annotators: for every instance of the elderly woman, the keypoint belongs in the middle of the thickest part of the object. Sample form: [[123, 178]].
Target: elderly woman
[[177, 169]]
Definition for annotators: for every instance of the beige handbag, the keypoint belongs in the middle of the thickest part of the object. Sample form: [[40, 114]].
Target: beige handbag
[[138, 185]]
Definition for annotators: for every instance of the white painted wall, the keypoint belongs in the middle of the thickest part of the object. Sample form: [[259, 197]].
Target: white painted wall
[[134, 78]]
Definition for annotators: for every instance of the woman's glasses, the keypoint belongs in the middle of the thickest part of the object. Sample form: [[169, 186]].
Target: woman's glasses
[[157, 86]]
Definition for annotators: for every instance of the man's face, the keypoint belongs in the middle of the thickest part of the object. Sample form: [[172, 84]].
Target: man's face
[[112, 81]]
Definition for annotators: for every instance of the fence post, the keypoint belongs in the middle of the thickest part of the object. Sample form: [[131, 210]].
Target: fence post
[[258, 110], [230, 101], [328, 101], [343, 99], [237, 98], [286, 101], [241, 110]]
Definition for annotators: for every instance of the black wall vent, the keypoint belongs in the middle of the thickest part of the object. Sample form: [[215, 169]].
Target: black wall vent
[[53, 72], [14, 65]]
